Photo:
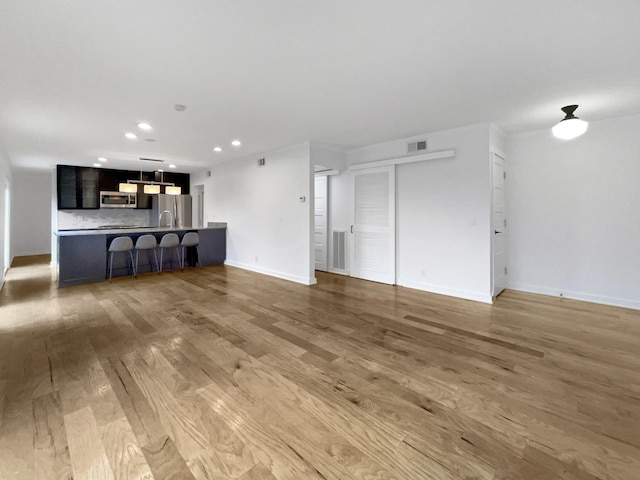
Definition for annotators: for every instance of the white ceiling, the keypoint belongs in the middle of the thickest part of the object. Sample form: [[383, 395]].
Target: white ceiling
[[75, 75]]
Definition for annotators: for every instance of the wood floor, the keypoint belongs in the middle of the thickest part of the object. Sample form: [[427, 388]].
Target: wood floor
[[219, 373]]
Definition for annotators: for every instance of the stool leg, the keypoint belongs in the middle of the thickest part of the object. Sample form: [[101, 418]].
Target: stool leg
[[156, 257], [182, 259], [110, 266], [198, 256], [136, 269], [178, 254], [133, 267], [161, 252]]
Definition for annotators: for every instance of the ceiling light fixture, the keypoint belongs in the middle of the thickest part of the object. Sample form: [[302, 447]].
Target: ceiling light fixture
[[217, 149], [102, 159], [97, 165], [570, 126], [172, 166], [236, 143], [150, 187], [131, 136], [179, 108], [128, 188], [144, 126]]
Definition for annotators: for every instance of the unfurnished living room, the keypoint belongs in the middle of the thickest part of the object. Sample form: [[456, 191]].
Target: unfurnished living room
[[287, 239]]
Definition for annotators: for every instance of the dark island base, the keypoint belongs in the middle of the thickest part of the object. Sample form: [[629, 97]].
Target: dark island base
[[84, 258]]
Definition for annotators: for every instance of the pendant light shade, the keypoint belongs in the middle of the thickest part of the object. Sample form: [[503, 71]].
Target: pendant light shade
[[570, 126], [128, 188], [152, 189], [173, 190]]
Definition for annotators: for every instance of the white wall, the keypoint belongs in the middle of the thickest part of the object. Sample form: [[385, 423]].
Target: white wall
[[443, 212], [30, 213], [5, 175], [574, 217], [269, 229]]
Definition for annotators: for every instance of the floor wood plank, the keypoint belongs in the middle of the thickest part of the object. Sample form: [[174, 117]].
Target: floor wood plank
[[219, 373]]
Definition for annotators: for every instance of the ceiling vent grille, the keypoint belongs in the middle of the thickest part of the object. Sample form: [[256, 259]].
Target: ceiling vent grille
[[261, 162], [415, 147], [151, 160]]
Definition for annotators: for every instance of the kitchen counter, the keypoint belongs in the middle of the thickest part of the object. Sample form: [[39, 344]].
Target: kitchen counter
[[135, 229], [83, 254]]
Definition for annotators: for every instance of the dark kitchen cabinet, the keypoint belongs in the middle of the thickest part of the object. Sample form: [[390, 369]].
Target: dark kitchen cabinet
[[181, 180], [78, 187]]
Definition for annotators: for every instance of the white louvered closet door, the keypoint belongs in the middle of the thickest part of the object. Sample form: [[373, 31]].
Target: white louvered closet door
[[373, 249]]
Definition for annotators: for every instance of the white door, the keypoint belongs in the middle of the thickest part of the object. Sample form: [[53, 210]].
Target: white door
[[373, 246], [499, 226], [320, 229]]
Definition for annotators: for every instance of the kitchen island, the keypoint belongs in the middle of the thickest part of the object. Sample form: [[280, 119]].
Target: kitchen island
[[83, 254]]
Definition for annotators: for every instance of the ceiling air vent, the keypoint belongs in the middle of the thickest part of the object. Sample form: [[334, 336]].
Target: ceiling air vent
[[414, 147], [261, 162], [151, 160]]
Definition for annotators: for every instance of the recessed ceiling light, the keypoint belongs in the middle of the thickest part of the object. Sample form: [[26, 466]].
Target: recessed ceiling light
[[97, 165], [236, 143], [144, 126], [102, 159], [217, 149], [172, 166], [131, 136], [160, 170], [179, 108]]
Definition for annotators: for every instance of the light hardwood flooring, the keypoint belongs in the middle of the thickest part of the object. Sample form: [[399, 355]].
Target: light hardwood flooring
[[219, 373]]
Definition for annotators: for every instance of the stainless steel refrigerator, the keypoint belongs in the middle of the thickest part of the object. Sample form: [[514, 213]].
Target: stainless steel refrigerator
[[178, 207]]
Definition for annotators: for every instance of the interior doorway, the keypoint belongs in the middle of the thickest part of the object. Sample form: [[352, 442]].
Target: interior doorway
[[320, 237], [499, 224], [6, 241]]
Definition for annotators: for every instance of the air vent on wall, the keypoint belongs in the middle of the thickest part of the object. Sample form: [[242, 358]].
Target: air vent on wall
[[414, 147], [261, 162], [339, 250]]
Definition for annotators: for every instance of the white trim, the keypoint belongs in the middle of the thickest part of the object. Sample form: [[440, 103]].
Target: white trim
[[584, 297], [425, 287], [402, 160], [326, 173], [272, 273]]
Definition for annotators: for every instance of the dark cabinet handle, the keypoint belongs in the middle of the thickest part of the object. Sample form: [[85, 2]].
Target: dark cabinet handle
[[351, 228]]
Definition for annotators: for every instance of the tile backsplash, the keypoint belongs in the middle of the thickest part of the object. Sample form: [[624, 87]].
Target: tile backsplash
[[87, 219]]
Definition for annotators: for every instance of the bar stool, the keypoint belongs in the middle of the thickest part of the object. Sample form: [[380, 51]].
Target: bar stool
[[146, 242], [190, 239], [169, 240], [120, 244]]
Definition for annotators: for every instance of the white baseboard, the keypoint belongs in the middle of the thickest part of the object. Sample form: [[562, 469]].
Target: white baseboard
[[425, 287], [585, 297], [272, 273]]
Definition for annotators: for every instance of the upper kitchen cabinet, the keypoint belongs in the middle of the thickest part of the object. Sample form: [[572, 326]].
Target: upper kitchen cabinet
[[181, 180], [78, 187]]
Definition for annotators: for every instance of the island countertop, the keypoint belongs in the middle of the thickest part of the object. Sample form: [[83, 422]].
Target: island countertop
[[135, 230], [83, 255]]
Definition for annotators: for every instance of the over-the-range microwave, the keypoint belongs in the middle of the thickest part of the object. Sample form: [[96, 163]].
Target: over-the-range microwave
[[118, 200]]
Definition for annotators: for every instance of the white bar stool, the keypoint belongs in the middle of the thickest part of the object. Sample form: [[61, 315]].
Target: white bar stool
[[190, 239], [120, 244], [146, 242], [169, 240]]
